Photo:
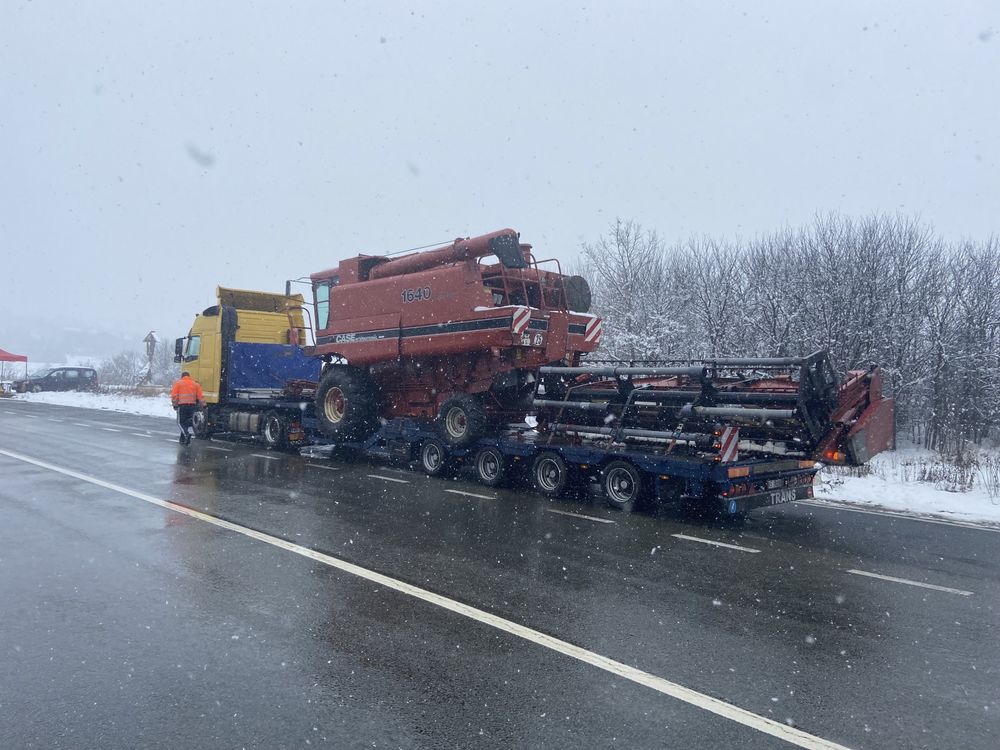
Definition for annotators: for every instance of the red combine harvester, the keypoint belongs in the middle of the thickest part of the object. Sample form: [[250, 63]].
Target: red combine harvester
[[456, 333]]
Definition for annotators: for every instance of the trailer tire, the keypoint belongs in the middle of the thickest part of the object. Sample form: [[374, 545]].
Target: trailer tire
[[550, 474], [491, 466], [622, 484], [200, 422], [274, 430], [433, 457], [462, 420], [345, 403]]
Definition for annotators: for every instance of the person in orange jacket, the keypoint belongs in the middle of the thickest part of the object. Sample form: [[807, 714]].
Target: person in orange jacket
[[186, 397]]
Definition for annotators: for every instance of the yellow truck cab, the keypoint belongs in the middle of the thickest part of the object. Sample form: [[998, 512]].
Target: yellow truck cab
[[245, 351]]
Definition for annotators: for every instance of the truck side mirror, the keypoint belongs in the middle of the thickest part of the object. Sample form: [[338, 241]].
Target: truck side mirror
[[179, 350]]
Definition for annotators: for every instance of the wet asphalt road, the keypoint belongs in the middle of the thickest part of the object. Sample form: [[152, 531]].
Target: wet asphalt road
[[124, 624]]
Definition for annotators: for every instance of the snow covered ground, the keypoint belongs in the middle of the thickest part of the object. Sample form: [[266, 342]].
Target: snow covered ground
[[153, 406], [892, 481]]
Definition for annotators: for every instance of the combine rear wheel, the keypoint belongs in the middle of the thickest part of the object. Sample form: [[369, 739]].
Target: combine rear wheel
[[345, 403], [462, 420]]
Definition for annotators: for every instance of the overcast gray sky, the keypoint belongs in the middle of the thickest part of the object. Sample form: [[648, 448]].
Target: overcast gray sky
[[152, 150]]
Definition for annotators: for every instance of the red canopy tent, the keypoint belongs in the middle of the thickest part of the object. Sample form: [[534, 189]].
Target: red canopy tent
[[6, 357]]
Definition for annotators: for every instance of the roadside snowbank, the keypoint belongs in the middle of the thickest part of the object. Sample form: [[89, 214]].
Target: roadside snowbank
[[150, 406], [892, 485]]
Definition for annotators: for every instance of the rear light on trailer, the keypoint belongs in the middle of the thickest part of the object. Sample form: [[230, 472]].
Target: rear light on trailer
[[835, 457]]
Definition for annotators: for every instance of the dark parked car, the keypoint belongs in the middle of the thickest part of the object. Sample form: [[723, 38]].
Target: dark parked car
[[60, 379]]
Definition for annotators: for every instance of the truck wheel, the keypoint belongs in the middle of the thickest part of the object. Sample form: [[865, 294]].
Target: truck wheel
[[622, 485], [462, 420], [274, 429], [491, 467], [433, 457], [200, 423], [345, 403], [549, 474]]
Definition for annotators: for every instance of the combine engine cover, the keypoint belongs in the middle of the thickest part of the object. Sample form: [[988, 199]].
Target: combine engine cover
[[791, 406], [476, 317]]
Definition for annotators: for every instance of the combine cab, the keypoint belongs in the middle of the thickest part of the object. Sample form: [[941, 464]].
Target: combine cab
[[457, 334]]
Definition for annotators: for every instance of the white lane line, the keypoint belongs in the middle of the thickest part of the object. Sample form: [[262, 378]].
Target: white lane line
[[472, 494], [9, 412], [893, 514], [141, 434], [53, 419], [327, 468], [714, 543], [908, 582], [217, 448], [81, 424], [110, 429], [389, 479], [174, 440], [579, 515], [264, 455], [675, 690]]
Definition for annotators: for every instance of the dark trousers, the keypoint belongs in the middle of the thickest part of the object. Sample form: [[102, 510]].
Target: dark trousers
[[184, 414]]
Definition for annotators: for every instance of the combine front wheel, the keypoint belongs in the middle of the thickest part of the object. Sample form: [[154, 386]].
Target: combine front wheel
[[345, 402]]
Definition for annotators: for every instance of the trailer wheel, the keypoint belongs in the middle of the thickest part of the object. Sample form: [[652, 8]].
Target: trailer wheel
[[491, 467], [345, 402], [433, 457], [622, 485], [462, 420], [549, 474], [274, 430], [200, 423]]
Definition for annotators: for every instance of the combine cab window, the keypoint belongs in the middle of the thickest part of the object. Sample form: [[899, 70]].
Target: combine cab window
[[322, 305], [192, 348]]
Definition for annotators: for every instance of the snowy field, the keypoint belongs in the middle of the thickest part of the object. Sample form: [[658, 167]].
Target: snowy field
[[892, 481]]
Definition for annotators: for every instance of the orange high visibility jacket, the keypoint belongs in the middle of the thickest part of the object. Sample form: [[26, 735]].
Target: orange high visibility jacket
[[186, 391]]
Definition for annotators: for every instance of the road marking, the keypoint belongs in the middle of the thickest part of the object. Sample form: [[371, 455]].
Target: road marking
[[217, 448], [579, 515], [10, 412], [389, 479], [675, 690], [714, 543], [53, 419], [110, 429], [471, 494], [318, 466], [893, 514], [141, 434], [263, 455], [908, 582], [174, 440], [81, 424]]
